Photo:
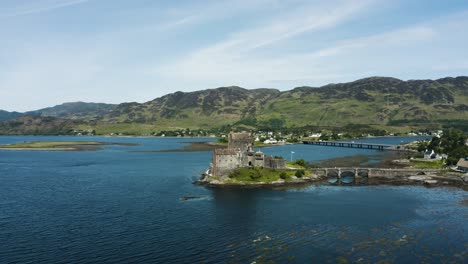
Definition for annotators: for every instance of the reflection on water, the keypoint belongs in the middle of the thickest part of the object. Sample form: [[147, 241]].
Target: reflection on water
[[116, 206]]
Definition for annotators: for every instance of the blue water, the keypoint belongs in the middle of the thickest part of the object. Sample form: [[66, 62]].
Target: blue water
[[316, 153], [120, 205]]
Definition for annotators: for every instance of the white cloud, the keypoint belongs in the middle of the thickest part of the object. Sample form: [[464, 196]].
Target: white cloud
[[400, 37], [236, 61], [279, 45], [233, 60], [38, 7]]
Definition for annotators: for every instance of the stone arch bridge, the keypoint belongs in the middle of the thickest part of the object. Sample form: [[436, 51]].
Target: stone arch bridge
[[362, 175]]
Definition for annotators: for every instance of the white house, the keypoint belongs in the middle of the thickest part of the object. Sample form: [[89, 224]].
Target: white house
[[429, 154], [432, 155], [270, 141]]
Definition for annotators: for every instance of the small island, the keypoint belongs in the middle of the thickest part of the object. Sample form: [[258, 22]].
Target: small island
[[239, 165], [60, 145]]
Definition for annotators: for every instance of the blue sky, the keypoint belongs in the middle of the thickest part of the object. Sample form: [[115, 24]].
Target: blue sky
[[55, 51]]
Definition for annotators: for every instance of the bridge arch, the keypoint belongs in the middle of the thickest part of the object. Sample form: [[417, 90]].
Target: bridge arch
[[348, 176], [333, 176], [363, 176]]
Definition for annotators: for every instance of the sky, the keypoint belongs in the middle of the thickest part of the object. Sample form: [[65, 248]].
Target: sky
[[114, 51]]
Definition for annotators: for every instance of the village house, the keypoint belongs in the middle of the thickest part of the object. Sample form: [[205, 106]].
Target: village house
[[240, 154], [462, 164], [270, 141], [430, 154], [315, 135]]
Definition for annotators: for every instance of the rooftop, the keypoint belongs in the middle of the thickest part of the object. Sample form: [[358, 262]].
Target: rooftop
[[463, 162]]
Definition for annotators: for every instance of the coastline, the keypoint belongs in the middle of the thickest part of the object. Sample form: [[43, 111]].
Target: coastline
[[432, 182], [411, 177], [62, 146]]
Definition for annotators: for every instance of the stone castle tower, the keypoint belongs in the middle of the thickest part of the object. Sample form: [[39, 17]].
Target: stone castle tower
[[239, 154], [241, 141]]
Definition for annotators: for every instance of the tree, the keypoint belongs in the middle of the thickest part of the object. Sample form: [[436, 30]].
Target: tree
[[299, 173], [451, 143], [422, 145], [283, 175], [301, 162], [255, 174], [435, 145], [335, 136]]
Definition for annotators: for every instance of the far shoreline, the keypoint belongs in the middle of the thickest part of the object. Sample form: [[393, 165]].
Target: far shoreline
[[60, 146]]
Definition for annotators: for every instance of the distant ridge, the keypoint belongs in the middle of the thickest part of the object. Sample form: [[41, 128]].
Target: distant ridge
[[5, 115], [375, 101]]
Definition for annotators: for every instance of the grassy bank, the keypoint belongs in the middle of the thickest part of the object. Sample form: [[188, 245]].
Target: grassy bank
[[429, 164], [257, 174]]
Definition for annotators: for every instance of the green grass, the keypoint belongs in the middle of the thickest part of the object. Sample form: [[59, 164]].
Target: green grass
[[294, 165], [247, 175], [433, 164]]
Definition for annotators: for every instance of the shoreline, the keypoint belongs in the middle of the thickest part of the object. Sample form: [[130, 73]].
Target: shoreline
[[63, 146], [429, 180], [323, 182]]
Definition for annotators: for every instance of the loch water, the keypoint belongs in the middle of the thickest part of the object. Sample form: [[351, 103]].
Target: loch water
[[122, 205]]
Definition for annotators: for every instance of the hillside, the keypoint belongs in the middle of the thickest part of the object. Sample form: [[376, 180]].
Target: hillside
[[36, 125], [379, 102], [75, 110], [5, 115]]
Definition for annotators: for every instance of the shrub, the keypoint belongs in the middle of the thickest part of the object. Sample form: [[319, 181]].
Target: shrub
[[255, 174], [222, 140], [299, 173], [234, 174], [301, 162], [283, 175]]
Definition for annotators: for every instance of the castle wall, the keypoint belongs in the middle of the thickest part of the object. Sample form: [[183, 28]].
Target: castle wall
[[225, 161], [239, 154], [272, 163]]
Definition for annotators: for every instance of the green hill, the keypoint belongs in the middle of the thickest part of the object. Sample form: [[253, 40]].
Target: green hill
[[36, 125], [377, 102], [5, 115], [75, 110]]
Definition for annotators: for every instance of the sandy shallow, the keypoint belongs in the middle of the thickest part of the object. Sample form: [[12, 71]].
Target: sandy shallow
[[70, 147]]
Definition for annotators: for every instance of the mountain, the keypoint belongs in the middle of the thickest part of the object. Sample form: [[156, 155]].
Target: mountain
[[4, 115], [75, 110], [37, 125], [378, 102], [201, 108]]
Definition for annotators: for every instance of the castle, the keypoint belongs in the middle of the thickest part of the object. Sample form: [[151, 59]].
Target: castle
[[240, 154]]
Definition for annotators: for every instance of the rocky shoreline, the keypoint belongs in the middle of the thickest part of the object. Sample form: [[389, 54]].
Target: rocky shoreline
[[445, 180]]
